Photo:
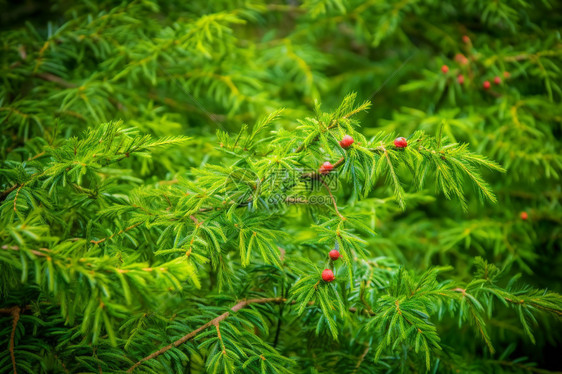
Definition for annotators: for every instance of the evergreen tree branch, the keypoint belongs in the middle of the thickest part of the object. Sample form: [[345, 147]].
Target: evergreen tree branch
[[213, 322]]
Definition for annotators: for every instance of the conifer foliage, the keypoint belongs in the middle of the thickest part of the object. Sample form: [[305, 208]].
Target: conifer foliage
[[280, 187]]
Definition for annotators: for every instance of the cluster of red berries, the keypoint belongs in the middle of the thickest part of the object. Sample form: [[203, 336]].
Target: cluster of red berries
[[497, 80], [346, 142], [328, 274], [462, 60]]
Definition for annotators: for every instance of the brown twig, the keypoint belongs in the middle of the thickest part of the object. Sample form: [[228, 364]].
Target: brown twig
[[369, 311], [220, 338], [213, 322], [115, 234], [6, 192], [16, 317], [333, 199], [461, 290], [16, 198], [362, 358], [317, 175], [55, 79], [36, 156], [34, 251]]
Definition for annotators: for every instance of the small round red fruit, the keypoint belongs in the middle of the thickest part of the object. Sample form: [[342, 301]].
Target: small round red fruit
[[486, 85], [461, 59], [401, 142], [506, 74], [346, 142], [444, 69], [460, 79], [524, 216], [465, 39], [334, 254], [328, 275], [497, 80], [326, 168]]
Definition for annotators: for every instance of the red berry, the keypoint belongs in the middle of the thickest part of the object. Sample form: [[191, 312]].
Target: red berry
[[328, 275], [346, 142], [497, 80], [465, 39], [486, 85], [524, 216], [461, 59], [334, 254], [444, 69], [326, 168], [460, 79], [401, 142], [506, 74]]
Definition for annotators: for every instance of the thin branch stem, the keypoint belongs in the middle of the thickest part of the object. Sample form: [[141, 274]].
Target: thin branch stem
[[6, 192], [362, 358], [333, 199], [16, 317], [220, 338], [115, 234], [16, 198], [215, 322], [55, 79], [316, 175]]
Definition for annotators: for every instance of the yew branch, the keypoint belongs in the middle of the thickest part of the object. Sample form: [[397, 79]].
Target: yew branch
[[213, 322]]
